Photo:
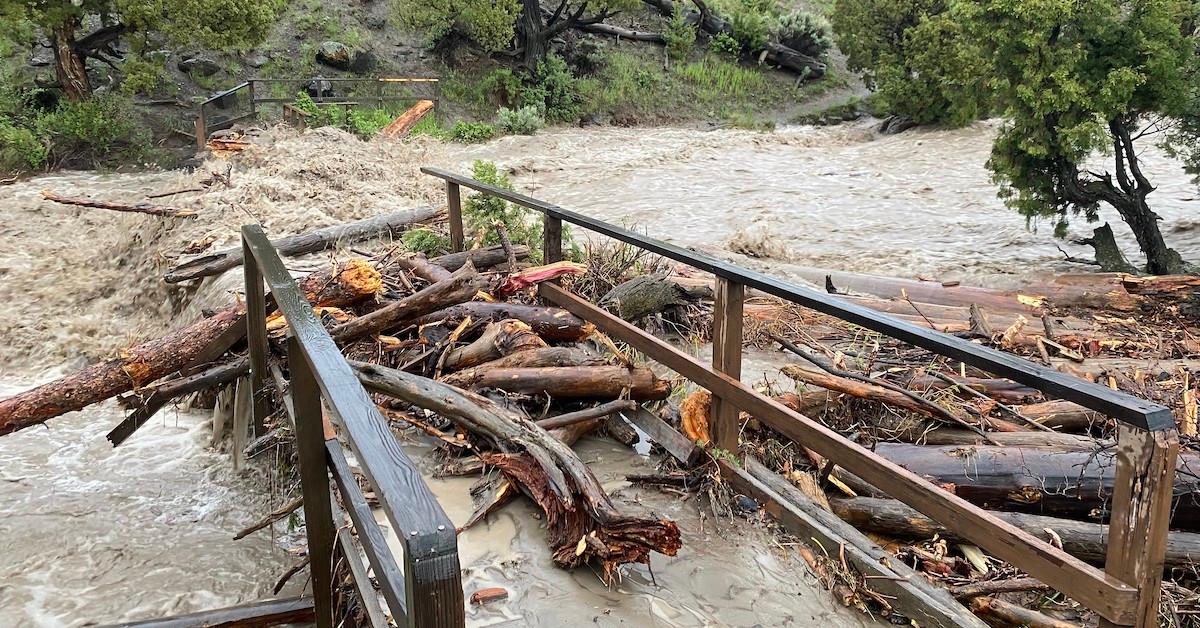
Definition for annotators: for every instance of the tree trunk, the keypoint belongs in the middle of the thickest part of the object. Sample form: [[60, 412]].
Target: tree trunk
[[1160, 258], [551, 323], [70, 66], [533, 38], [461, 286], [1075, 484], [1084, 540], [570, 382]]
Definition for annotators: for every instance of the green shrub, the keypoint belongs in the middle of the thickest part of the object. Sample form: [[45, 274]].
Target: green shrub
[[427, 241], [93, 130], [144, 76], [501, 87], [472, 132], [429, 126], [524, 121], [679, 36], [805, 33], [724, 44], [481, 212], [750, 28], [555, 90], [20, 149], [367, 123]]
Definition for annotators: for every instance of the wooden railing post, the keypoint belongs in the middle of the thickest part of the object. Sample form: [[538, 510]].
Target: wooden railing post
[[314, 481], [1141, 514], [256, 338], [201, 130], [434, 585], [454, 206], [727, 358], [552, 239]]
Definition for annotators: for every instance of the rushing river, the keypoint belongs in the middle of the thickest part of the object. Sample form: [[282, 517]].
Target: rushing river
[[89, 533]]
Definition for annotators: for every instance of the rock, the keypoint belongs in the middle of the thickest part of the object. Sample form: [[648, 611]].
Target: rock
[[376, 22], [41, 59], [319, 88], [257, 60], [364, 62], [334, 54], [199, 65]]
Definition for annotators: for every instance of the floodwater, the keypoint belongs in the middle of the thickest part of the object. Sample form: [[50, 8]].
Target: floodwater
[[93, 534]]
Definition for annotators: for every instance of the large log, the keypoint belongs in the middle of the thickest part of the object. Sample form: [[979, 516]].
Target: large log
[[499, 339], [650, 294], [386, 225], [572, 382], [345, 284], [1075, 484], [464, 284], [135, 367], [583, 523], [1082, 539], [551, 323], [480, 258]]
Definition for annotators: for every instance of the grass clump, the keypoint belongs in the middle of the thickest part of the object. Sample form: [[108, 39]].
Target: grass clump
[[472, 132]]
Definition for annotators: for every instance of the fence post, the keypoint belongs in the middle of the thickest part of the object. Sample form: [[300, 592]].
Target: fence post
[[434, 585], [314, 481], [253, 103], [454, 205], [727, 359], [256, 338], [1141, 514], [551, 239], [201, 130]]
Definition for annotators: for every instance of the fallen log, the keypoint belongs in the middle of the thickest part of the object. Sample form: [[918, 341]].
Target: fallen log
[[418, 265], [1075, 484], [583, 523], [140, 208], [1016, 615], [387, 225], [650, 294], [1083, 539], [480, 258], [587, 414], [464, 284], [1051, 440], [992, 587], [136, 367], [551, 323], [407, 120], [571, 382], [499, 339], [1063, 415]]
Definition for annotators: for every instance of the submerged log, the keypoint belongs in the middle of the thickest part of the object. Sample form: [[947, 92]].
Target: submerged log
[[1083, 539], [571, 382], [387, 225], [136, 367], [583, 523], [1075, 484], [551, 323], [140, 208]]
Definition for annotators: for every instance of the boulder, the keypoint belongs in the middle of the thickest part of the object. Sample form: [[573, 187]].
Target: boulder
[[364, 62], [375, 22], [257, 60], [198, 65], [335, 55]]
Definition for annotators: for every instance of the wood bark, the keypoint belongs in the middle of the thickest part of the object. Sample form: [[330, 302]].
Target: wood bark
[[1075, 484], [650, 294], [530, 358], [479, 258], [1063, 415], [418, 265], [407, 120], [1016, 615], [464, 284], [139, 208], [583, 523], [1083, 539], [387, 225], [69, 65], [135, 367], [587, 414], [551, 323], [499, 339], [572, 382]]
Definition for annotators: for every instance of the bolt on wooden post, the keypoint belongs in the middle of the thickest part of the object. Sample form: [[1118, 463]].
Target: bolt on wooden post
[[727, 359], [1141, 515], [454, 207]]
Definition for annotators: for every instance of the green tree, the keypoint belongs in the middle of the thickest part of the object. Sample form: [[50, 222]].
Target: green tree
[[1082, 80], [211, 23], [915, 57], [495, 24]]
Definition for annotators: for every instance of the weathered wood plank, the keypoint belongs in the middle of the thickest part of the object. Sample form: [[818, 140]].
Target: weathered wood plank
[[727, 359], [253, 615]]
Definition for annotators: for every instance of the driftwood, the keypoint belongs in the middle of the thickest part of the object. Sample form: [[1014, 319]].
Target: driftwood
[[418, 265], [993, 587], [573, 382], [1075, 484], [140, 208], [461, 286], [387, 225], [650, 294], [479, 258], [583, 524], [275, 515], [587, 414], [407, 120], [551, 323], [1016, 615], [499, 339], [1083, 539]]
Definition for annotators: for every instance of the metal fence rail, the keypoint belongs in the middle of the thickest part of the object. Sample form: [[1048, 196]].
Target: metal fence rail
[[427, 591], [1124, 593]]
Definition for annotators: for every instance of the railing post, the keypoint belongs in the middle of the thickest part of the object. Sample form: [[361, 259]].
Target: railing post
[[727, 359], [454, 206], [256, 338], [551, 239], [314, 480], [201, 130], [434, 585], [253, 103], [1141, 515]]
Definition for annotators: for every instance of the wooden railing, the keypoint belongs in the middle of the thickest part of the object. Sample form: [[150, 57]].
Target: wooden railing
[[241, 102], [1124, 593], [427, 592]]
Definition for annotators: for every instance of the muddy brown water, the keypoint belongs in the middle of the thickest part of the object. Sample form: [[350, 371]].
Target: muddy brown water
[[92, 534]]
